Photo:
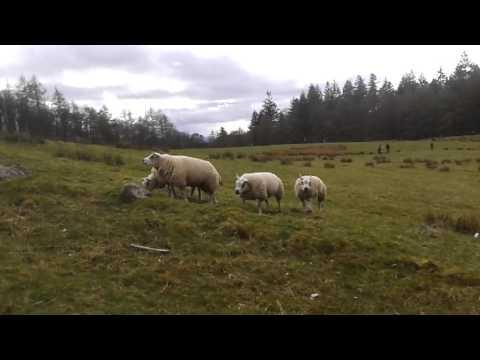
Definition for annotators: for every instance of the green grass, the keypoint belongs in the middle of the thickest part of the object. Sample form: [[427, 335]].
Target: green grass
[[64, 236]]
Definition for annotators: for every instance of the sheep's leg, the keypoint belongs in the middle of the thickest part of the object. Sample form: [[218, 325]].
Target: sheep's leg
[[183, 190], [259, 206]]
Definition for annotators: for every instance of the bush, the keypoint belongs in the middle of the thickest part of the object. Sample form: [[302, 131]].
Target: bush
[[23, 138], [444, 168], [467, 224], [431, 164], [228, 155], [381, 159], [259, 158], [308, 158], [329, 166], [214, 156]]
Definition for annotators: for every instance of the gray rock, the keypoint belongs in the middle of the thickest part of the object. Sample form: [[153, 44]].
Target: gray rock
[[12, 172], [132, 192]]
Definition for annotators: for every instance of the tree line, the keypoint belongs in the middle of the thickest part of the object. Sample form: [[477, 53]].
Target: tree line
[[27, 109], [362, 110], [359, 111]]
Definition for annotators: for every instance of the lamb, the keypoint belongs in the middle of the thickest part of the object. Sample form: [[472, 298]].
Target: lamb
[[182, 171], [307, 188], [156, 180], [259, 186]]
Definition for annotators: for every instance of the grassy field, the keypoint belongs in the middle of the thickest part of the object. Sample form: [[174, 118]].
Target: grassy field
[[392, 239]]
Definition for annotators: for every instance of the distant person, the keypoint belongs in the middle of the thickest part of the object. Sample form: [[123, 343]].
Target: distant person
[[388, 148], [379, 150]]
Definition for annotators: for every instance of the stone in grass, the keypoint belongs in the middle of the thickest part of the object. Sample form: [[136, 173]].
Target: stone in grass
[[8, 173], [132, 192]]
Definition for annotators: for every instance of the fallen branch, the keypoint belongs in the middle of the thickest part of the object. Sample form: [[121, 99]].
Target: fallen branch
[[149, 248]]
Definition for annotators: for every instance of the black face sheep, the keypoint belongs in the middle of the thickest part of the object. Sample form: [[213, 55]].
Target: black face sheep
[[308, 188], [182, 171], [259, 186]]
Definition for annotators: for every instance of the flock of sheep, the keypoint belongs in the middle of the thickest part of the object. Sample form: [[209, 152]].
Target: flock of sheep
[[177, 171]]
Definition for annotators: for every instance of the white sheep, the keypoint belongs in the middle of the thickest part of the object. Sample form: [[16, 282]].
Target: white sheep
[[156, 180], [308, 188], [259, 186], [182, 171]]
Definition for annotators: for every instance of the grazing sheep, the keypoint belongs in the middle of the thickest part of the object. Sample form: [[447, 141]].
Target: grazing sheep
[[182, 171], [307, 188], [259, 186]]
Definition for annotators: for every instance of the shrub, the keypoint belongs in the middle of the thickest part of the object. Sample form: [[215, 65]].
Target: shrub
[[118, 160], [285, 161], [214, 156], [228, 155], [329, 166], [444, 168], [381, 159], [259, 158], [466, 224], [23, 138], [431, 164]]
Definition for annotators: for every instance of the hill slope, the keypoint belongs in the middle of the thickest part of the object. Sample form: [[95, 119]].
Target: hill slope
[[64, 235]]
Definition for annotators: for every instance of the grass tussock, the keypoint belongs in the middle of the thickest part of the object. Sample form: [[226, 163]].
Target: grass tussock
[[370, 163], [380, 159], [444, 168], [346, 160], [431, 164], [286, 161], [407, 166], [82, 153], [307, 164], [465, 224], [329, 166]]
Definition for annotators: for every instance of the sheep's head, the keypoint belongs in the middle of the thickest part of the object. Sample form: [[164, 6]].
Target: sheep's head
[[305, 184], [149, 182], [154, 159], [241, 185]]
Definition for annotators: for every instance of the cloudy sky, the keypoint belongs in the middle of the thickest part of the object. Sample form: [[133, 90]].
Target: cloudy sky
[[203, 87]]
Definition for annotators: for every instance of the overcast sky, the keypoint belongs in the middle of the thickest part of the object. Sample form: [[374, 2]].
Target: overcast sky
[[201, 87]]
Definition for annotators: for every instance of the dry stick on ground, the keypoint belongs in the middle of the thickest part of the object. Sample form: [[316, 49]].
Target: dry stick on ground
[[149, 248]]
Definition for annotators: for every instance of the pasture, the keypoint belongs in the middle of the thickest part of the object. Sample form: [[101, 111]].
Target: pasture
[[395, 236]]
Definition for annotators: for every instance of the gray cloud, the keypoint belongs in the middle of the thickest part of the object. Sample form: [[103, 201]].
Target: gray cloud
[[211, 80]]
